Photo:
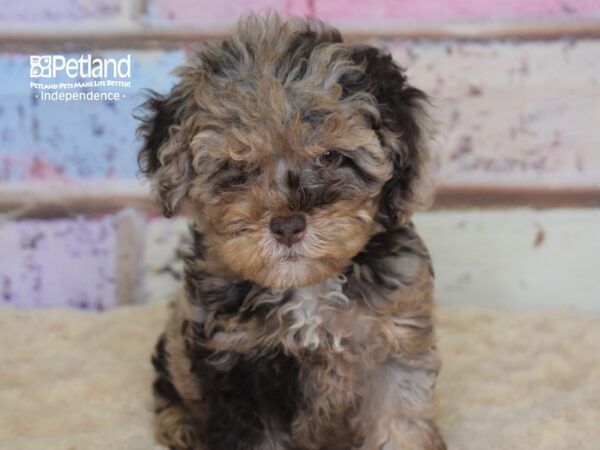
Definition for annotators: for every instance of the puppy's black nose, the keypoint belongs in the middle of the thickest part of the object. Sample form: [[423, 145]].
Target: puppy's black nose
[[288, 229]]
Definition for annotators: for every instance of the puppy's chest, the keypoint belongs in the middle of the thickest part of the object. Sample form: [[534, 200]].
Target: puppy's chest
[[299, 322]]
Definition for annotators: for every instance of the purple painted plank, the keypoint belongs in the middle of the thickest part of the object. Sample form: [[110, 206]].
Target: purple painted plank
[[77, 262], [58, 263]]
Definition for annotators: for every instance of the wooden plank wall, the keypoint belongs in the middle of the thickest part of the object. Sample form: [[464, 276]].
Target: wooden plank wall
[[515, 88], [516, 117]]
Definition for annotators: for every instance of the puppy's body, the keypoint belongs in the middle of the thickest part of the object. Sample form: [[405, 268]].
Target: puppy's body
[[320, 337], [347, 363]]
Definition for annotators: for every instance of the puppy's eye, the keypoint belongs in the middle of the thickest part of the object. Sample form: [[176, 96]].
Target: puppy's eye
[[330, 158], [230, 164], [234, 175]]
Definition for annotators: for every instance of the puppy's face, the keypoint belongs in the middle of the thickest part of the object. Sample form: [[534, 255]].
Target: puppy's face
[[279, 143], [287, 183]]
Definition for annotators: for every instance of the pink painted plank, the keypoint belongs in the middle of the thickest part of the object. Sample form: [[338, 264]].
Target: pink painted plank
[[211, 13], [44, 11], [214, 13], [59, 263], [359, 11], [511, 114]]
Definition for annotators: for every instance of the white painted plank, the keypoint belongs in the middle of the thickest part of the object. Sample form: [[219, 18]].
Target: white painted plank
[[517, 259]]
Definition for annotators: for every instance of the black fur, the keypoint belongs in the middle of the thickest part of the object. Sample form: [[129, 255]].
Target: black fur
[[205, 289], [163, 386], [257, 394], [398, 103], [254, 397], [299, 49], [231, 176], [375, 259], [156, 115], [318, 186], [304, 198]]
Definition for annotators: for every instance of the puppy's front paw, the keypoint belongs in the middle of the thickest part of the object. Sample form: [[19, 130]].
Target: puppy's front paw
[[174, 429], [406, 435]]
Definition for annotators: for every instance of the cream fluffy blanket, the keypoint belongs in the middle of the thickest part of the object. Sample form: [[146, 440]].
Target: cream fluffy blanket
[[71, 380]]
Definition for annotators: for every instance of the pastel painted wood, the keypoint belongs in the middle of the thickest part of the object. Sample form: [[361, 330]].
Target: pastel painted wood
[[515, 258], [57, 140], [83, 263], [111, 24], [509, 114], [358, 11], [65, 11], [208, 13]]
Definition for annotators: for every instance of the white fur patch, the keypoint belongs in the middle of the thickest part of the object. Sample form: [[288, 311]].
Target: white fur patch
[[309, 311]]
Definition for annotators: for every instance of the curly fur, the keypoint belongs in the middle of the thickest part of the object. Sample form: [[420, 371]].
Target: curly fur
[[325, 344]]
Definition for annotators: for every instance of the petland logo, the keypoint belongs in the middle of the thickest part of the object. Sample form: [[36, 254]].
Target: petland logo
[[86, 66], [77, 78]]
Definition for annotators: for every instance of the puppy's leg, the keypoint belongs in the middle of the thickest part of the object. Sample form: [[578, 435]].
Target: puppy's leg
[[175, 429], [398, 410], [174, 426], [239, 439], [250, 403], [404, 434]]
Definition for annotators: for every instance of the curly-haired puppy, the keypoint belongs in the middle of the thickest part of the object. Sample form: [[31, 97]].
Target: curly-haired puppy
[[305, 319]]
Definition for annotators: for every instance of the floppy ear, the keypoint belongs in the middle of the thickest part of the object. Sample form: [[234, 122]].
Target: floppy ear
[[163, 158], [401, 130]]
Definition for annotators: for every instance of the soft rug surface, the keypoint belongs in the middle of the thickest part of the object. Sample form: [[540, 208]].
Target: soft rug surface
[[75, 380]]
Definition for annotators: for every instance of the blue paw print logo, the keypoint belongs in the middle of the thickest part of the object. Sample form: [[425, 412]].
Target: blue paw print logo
[[40, 66]]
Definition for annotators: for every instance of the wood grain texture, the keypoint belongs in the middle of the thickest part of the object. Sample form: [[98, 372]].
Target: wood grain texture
[[361, 13], [518, 115], [516, 259], [79, 24], [509, 114], [207, 13], [372, 14], [51, 199], [72, 262], [99, 36], [64, 11]]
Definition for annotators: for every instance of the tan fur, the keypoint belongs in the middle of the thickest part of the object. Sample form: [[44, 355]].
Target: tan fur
[[174, 428]]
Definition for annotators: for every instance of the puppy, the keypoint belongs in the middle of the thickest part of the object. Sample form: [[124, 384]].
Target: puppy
[[305, 318]]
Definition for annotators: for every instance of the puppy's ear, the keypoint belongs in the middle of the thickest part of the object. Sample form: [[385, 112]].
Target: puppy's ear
[[164, 158], [402, 131]]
